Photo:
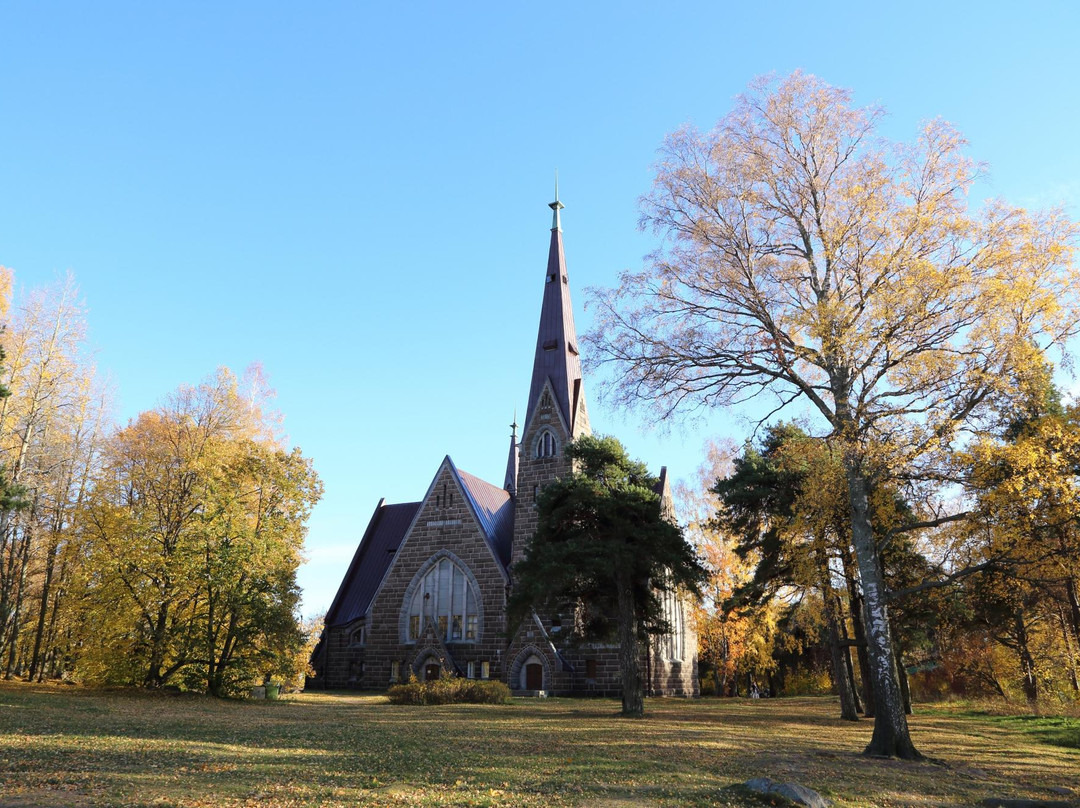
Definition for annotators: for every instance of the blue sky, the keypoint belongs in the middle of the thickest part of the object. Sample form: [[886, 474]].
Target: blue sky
[[354, 194]]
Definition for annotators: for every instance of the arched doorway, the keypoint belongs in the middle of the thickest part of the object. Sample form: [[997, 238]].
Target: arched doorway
[[432, 671], [531, 675]]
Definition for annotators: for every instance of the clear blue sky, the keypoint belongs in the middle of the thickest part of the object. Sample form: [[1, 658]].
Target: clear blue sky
[[355, 194]]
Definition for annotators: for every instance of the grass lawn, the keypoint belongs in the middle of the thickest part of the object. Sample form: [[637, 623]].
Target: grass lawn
[[63, 746]]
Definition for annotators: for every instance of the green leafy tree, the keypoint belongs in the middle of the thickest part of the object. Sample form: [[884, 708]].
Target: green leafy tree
[[193, 535], [604, 541]]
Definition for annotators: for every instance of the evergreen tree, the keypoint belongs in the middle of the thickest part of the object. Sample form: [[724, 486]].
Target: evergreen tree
[[603, 541]]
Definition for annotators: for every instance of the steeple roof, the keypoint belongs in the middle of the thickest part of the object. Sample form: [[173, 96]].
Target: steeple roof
[[556, 357], [510, 481]]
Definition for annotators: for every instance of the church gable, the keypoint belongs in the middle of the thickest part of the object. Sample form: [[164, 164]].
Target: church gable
[[454, 544]]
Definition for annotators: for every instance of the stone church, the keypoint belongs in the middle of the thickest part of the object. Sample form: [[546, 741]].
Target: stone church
[[426, 591]]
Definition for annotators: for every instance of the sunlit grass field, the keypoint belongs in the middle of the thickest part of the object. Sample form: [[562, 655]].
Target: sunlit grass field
[[64, 746]]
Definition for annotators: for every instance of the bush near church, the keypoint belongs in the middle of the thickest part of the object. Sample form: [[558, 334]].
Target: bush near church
[[450, 690]]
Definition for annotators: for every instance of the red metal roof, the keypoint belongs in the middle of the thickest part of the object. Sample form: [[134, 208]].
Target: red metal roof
[[372, 559], [494, 509]]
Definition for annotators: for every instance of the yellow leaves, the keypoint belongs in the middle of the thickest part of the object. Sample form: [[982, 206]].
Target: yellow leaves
[[7, 277]]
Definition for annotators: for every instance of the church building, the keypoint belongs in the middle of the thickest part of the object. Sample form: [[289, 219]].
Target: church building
[[427, 589]]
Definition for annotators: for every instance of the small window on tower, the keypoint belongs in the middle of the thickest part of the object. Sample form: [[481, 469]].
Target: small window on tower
[[545, 445]]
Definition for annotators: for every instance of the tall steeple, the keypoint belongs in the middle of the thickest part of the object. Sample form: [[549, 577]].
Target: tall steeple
[[556, 361]]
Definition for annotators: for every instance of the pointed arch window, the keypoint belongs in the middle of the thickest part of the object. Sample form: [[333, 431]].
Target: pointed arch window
[[446, 598], [673, 643], [546, 445]]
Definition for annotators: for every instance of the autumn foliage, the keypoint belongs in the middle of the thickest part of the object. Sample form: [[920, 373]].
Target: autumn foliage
[[163, 552]]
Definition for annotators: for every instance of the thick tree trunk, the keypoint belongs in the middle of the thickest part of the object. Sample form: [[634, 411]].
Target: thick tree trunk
[[633, 691], [891, 737]]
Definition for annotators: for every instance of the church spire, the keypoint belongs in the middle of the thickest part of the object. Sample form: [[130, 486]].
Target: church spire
[[510, 483], [556, 361]]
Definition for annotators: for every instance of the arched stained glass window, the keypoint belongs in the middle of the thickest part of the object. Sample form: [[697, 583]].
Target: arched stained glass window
[[445, 598]]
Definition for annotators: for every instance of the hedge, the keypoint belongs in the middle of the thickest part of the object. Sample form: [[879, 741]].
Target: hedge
[[450, 690]]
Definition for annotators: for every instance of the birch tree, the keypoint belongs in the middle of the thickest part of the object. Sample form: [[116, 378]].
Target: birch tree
[[808, 259], [42, 437]]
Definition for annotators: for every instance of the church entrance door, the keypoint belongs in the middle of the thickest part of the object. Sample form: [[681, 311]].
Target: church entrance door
[[534, 676], [431, 672]]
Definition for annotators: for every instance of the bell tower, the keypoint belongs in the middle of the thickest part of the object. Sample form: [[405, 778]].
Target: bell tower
[[556, 413]]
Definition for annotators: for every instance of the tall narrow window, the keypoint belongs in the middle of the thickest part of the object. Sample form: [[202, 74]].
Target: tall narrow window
[[672, 643]]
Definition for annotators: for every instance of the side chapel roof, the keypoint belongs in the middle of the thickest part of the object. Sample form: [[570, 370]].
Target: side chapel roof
[[372, 559]]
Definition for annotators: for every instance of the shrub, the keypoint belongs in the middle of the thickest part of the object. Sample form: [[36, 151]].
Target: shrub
[[802, 682], [450, 690]]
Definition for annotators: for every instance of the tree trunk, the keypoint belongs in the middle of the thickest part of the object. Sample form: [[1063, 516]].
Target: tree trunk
[[633, 694], [39, 633], [157, 650], [891, 737], [1074, 609], [849, 670], [855, 602], [902, 677], [20, 594], [849, 711], [1028, 679], [1070, 653]]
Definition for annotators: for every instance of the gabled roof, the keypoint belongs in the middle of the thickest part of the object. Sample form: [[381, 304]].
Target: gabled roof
[[494, 510], [556, 356], [372, 559]]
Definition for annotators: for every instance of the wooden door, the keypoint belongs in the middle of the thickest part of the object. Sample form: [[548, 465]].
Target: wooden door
[[431, 672], [534, 676]]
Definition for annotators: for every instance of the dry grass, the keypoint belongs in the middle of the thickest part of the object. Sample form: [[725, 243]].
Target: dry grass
[[65, 746]]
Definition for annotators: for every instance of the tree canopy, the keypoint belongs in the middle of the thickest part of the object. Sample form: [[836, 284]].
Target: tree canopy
[[809, 259]]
